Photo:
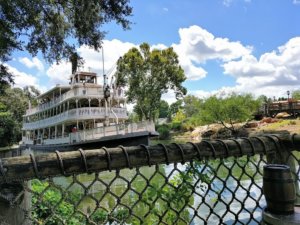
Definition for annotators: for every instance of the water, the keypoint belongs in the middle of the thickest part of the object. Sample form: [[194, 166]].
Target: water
[[104, 188]]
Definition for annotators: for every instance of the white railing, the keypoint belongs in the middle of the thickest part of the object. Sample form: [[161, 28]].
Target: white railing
[[77, 114], [75, 92], [97, 133], [120, 129], [63, 140]]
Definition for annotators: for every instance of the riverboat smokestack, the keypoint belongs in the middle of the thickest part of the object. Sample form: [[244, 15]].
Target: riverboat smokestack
[[76, 61]]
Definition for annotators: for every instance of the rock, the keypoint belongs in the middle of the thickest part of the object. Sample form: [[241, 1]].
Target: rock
[[266, 120], [208, 133], [251, 125], [282, 115]]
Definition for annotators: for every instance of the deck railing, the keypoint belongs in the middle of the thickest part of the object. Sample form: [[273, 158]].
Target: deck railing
[[79, 114], [96, 133], [76, 92], [211, 182]]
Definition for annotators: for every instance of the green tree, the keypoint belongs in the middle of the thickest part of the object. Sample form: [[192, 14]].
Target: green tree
[[148, 74], [230, 110], [55, 28], [31, 93], [8, 127], [16, 102], [296, 94], [163, 109], [175, 107], [191, 105]]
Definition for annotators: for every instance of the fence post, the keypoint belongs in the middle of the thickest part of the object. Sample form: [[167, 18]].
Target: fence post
[[283, 157], [13, 203]]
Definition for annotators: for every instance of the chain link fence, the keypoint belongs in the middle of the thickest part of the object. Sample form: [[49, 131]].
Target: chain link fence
[[212, 182]]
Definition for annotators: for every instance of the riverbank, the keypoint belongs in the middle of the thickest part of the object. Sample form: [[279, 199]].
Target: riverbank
[[8, 148], [266, 125]]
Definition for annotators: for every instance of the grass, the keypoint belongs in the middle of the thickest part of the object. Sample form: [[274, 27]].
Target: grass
[[288, 124]]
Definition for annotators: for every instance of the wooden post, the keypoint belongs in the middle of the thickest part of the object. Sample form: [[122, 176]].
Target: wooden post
[[283, 156]]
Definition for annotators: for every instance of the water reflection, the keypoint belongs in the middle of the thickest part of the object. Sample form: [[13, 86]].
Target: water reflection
[[230, 187]]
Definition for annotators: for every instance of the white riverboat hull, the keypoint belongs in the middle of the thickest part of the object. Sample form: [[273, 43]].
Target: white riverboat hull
[[129, 139]]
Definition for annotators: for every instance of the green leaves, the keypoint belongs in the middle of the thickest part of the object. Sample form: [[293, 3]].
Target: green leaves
[[55, 28], [233, 109], [148, 74]]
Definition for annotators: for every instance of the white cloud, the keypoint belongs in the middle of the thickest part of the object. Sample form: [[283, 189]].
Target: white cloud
[[227, 3], [296, 2], [158, 46], [22, 79], [59, 73], [112, 50], [272, 74], [197, 46], [34, 63], [273, 71]]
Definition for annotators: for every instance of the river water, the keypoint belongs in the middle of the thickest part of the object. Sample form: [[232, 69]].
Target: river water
[[232, 187]]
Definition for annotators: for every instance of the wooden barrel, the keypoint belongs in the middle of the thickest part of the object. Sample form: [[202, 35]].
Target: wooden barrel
[[279, 189]]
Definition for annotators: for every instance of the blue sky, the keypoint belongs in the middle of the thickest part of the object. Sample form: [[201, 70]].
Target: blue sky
[[244, 46]]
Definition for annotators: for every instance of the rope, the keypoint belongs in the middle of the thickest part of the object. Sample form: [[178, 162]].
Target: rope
[[147, 152], [166, 153], [126, 155], [108, 158], [83, 157], [61, 163], [225, 145], [181, 152], [211, 147]]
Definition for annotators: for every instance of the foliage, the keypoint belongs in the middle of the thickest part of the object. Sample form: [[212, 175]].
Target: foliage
[[6, 77], [8, 127], [148, 74], [54, 28], [13, 105], [178, 119], [174, 107], [163, 109], [51, 203], [31, 93], [191, 105], [164, 132], [227, 111], [190, 123], [296, 94], [179, 116]]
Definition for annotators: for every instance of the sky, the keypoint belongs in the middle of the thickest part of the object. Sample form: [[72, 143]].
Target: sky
[[224, 46]]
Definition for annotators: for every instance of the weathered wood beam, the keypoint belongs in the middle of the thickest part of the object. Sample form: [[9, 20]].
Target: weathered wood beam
[[73, 162]]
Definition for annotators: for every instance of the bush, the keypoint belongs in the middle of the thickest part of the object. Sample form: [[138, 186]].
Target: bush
[[176, 126], [164, 132]]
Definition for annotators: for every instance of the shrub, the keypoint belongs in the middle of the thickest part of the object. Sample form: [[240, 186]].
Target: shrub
[[176, 126], [164, 132]]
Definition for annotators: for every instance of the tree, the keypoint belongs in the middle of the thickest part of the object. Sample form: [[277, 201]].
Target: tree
[[55, 28], [174, 108], [149, 74], [227, 111], [16, 102], [8, 127], [31, 93], [13, 105], [163, 109], [192, 105], [296, 94]]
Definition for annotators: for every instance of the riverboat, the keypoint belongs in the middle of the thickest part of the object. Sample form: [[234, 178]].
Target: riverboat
[[83, 114]]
